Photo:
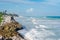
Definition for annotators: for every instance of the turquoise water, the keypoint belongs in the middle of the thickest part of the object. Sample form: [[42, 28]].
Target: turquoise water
[[40, 28], [46, 17]]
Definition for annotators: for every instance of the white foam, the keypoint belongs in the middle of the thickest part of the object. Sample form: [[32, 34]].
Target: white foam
[[20, 16], [58, 39], [38, 35], [36, 31], [34, 21], [43, 26], [50, 39], [30, 34], [36, 26]]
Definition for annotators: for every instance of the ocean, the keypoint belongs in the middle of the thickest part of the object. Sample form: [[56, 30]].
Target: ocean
[[40, 28]]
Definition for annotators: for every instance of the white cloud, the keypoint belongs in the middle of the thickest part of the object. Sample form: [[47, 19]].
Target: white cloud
[[29, 10]]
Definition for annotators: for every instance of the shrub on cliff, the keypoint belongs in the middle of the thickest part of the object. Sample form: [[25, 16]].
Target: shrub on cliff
[[1, 14]]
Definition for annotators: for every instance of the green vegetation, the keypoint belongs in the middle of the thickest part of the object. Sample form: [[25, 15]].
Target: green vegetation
[[1, 14], [4, 13]]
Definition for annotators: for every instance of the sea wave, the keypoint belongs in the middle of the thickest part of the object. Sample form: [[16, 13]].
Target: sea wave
[[39, 29]]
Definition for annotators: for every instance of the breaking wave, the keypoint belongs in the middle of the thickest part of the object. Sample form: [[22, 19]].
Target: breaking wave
[[39, 29]]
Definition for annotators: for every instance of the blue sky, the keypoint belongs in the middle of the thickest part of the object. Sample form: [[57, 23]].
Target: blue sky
[[31, 7]]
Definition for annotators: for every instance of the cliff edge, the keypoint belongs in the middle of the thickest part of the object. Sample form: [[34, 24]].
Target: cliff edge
[[9, 27]]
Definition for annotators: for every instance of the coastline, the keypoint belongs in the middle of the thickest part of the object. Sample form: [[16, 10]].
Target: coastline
[[8, 27]]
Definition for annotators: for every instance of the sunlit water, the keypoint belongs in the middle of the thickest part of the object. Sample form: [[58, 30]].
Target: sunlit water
[[40, 28]]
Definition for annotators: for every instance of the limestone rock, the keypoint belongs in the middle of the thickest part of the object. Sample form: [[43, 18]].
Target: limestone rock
[[8, 29]]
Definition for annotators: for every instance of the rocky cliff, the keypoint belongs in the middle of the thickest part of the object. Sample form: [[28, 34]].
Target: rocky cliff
[[9, 28]]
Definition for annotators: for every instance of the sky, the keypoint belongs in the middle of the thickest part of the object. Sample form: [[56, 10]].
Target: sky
[[31, 7]]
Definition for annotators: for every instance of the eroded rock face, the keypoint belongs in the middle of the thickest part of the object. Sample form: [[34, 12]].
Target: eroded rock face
[[8, 31], [9, 27]]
